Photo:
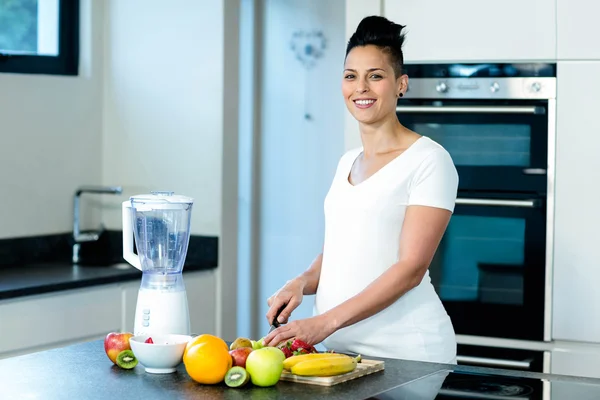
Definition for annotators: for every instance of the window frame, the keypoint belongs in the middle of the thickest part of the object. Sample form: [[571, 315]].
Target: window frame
[[67, 60]]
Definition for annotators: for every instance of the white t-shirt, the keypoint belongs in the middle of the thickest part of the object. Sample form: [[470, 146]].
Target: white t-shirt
[[363, 224]]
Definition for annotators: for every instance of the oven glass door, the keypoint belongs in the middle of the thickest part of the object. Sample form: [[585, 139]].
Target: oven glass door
[[489, 270], [495, 145]]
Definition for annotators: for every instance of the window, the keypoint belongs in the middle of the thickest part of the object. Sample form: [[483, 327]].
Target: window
[[39, 36]]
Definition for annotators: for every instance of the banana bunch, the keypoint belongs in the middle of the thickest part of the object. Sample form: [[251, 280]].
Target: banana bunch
[[320, 364]]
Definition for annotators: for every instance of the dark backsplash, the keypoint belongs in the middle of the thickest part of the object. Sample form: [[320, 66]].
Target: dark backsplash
[[203, 251], [35, 249]]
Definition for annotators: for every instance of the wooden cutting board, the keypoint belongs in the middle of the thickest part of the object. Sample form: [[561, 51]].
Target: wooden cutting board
[[365, 367]]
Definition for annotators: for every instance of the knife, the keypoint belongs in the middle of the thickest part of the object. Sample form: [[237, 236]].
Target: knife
[[276, 323]]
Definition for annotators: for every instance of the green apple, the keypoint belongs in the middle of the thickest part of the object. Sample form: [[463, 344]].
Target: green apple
[[265, 366], [258, 344]]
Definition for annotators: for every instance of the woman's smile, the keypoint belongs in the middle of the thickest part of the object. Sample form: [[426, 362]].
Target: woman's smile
[[364, 103]]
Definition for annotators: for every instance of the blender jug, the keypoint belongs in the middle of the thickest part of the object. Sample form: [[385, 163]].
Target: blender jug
[[160, 224]]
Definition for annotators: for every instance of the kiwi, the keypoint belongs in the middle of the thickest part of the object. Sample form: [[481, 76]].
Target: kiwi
[[126, 359], [236, 377]]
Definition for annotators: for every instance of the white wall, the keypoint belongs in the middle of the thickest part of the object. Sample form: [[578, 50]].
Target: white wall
[[298, 156], [163, 103], [51, 132], [164, 115]]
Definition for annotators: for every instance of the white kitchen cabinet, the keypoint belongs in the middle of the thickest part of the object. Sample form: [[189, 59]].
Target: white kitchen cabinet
[[202, 300], [129, 298], [40, 322], [576, 293], [577, 29], [475, 30], [576, 360], [356, 10], [573, 390]]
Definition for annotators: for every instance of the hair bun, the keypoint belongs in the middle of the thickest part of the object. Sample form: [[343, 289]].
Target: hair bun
[[380, 29], [381, 32]]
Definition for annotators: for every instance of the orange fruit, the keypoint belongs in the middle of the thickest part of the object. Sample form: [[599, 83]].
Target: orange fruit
[[207, 363], [205, 338]]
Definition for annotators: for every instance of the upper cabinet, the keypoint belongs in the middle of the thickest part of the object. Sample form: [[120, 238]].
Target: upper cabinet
[[475, 30], [577, 27]]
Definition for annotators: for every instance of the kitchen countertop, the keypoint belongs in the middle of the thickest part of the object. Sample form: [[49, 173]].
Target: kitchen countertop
[[83, 371], [42, 278]]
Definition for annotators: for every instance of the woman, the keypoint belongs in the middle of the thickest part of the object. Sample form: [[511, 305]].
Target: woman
[[385, 214]]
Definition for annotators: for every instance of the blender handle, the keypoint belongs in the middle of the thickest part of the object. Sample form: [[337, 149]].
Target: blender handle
[[128, 253]]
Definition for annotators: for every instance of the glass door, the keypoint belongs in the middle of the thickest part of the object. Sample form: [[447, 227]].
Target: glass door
[[495, 145], [489, 270]]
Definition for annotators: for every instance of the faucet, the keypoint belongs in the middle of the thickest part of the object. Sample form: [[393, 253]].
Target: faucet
[[79, 237]]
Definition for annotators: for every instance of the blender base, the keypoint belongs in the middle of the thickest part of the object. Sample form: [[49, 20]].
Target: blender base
[[161, 312]]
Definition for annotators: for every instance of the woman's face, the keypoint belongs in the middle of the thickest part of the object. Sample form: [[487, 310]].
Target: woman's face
[[369, 85]]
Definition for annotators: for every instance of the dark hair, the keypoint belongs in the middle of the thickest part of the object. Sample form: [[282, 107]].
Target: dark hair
[[383, 33]]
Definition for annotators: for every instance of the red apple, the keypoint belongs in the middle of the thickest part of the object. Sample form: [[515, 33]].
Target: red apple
[[116, 342], [239, 356]]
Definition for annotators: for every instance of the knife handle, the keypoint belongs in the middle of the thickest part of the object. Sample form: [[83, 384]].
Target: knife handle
[[276, 323]]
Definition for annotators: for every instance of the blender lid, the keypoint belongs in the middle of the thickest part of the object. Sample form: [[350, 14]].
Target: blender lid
[[161, 197]]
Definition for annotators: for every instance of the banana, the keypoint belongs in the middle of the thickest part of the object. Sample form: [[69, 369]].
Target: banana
[[325, 366], [289, 362]]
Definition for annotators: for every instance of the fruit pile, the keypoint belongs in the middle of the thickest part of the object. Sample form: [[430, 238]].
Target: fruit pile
[[300, 359], [118, 350], [208, 360]]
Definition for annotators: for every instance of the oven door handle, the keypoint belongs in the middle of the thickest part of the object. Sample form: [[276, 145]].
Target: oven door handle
[[496, 202], [471, 109], [494, 362]]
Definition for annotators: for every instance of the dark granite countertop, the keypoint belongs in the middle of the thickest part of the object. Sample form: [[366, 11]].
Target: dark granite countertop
[[26, 280], [83, 371]]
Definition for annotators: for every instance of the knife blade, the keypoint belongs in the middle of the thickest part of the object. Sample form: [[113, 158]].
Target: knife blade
[[275, 324]]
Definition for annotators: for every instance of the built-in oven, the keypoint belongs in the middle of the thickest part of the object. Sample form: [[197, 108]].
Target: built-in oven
[[495, 357], [492, 269], [489, 270], [506, 140], [493, 119]]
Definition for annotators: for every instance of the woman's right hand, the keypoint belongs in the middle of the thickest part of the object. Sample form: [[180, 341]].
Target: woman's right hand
[[289, 295]]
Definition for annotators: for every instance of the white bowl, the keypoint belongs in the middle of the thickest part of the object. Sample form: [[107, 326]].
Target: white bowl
[[161, 357]]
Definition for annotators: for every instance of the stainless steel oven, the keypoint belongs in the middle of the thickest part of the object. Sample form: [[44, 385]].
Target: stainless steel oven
[[490, 266], [493, 267]]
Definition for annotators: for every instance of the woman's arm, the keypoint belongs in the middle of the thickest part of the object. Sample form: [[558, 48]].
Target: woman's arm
[[421, 234], [292, 292], [310, 277]]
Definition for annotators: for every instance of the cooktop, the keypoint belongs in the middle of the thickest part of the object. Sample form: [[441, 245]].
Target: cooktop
[[448, 384]]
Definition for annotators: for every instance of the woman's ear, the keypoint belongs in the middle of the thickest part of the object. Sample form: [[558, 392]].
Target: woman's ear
[[402, 84]]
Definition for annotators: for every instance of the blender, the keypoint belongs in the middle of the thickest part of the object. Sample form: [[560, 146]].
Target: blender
[[160, 224]]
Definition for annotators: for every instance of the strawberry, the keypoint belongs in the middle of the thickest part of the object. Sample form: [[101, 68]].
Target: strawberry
[[149, 340], [287, 351], [286, 347], [299, 344]]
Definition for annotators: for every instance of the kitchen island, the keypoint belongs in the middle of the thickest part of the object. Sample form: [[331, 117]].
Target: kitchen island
[[83, 371]]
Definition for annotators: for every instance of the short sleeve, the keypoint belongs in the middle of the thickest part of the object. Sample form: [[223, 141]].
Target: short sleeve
[[435, 182]]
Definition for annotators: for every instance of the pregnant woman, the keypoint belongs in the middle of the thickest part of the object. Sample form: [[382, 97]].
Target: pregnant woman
[[386, 211]]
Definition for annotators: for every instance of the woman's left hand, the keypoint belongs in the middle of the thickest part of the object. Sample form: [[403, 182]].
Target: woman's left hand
[[310, 330]]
